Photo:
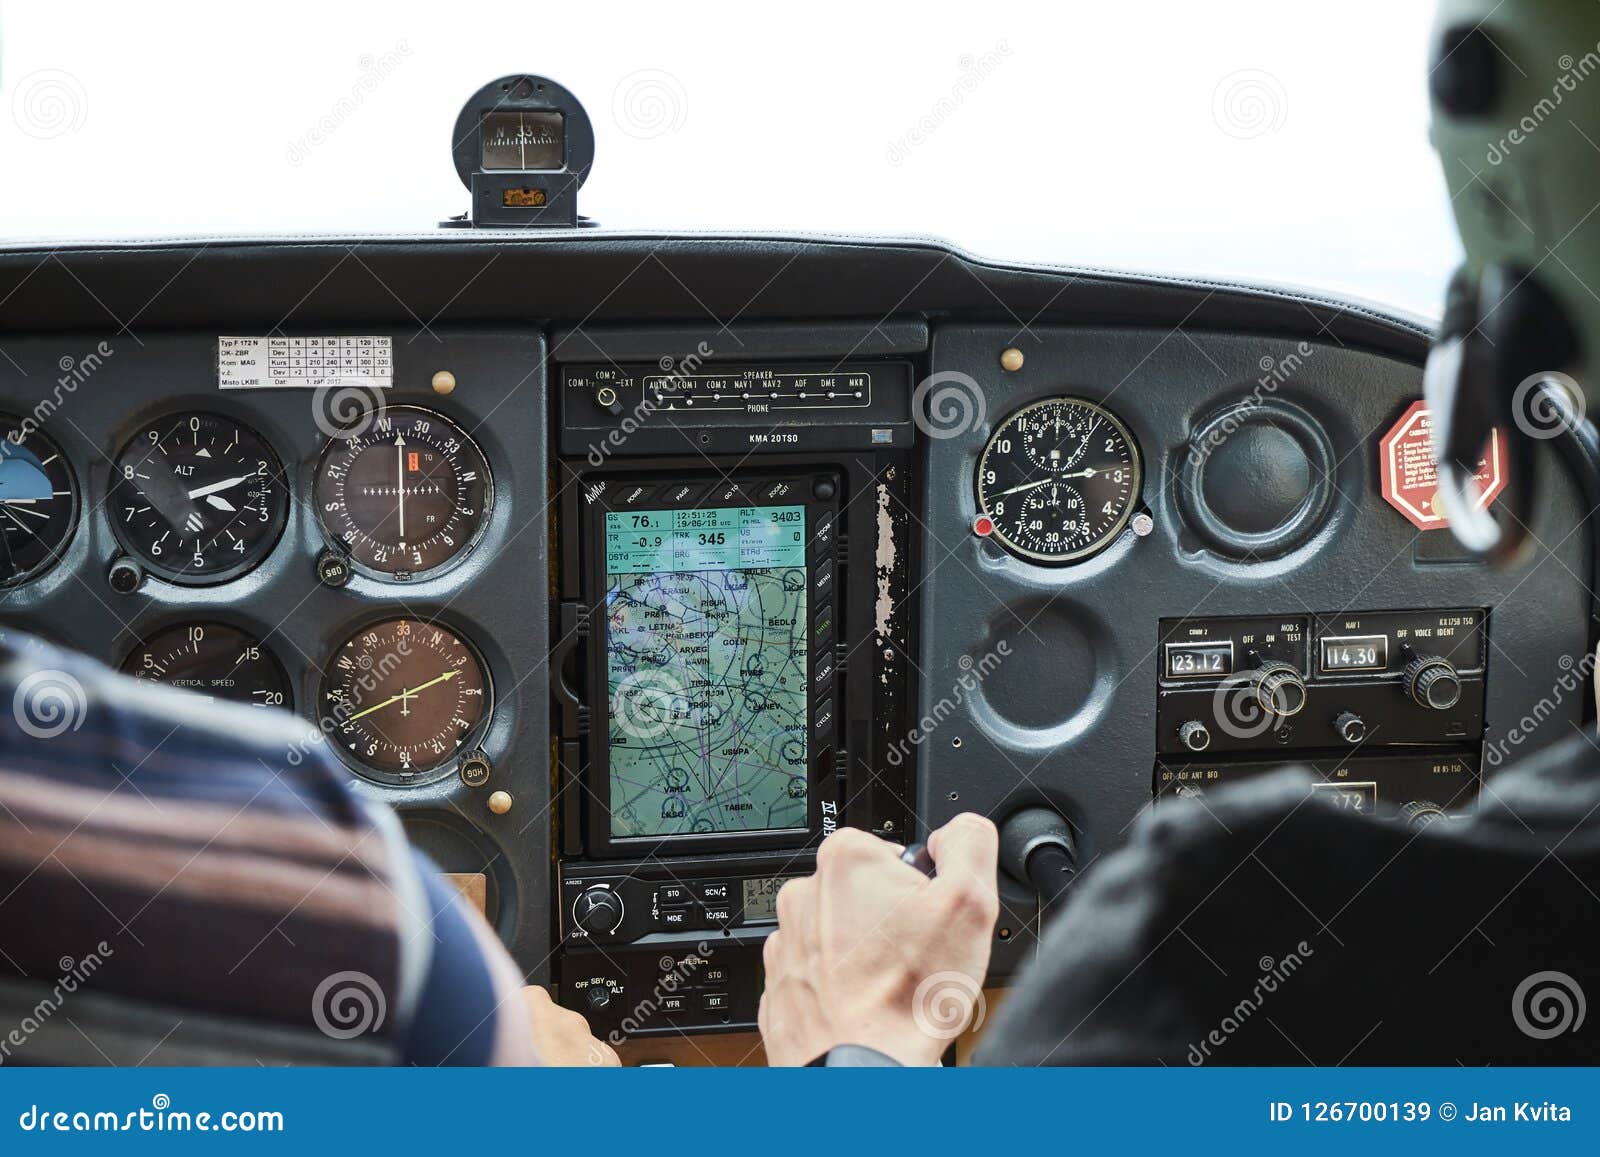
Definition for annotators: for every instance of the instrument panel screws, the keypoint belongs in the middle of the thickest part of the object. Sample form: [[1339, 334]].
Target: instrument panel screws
[[1143, 524], [1011, 359], [444, 382], [500, 802]]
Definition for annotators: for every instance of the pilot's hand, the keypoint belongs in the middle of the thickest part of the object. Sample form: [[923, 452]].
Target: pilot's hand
[[561, 1036], [869, 951]]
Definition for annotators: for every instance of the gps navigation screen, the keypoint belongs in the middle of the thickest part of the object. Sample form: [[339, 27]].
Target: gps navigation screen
[[706, 670]]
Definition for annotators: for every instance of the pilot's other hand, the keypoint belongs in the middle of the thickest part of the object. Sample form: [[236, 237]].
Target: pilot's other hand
[[869, 951], [561, 1036]]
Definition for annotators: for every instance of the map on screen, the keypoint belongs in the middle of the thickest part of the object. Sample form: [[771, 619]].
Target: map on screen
[[707, 668]]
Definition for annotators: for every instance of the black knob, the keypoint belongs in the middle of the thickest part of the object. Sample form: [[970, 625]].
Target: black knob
[[1350, 727], [1280, 689], [597, 996], [598, 911], [1037, 847], [1194, 735], [125, 576], [1432, 682]]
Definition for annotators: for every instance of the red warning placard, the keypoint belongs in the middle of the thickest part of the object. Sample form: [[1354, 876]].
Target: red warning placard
[[1410, 481]]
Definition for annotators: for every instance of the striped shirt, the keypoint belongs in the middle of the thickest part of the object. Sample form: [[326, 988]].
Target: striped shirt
[[202, 865]]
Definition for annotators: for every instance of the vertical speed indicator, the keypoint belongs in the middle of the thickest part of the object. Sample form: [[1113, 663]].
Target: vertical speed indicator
[[1058, 480]]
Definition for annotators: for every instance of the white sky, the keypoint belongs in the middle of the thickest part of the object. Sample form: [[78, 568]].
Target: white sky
[[1276, 141]]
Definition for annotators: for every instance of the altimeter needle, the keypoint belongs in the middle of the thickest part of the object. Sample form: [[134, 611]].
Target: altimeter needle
[[1087, 472], [406, 694]]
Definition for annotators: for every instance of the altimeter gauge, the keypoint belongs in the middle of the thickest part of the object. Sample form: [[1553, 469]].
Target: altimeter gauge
[[198, 498]]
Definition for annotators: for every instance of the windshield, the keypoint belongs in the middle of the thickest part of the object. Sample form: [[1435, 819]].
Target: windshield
[[1268, 141]]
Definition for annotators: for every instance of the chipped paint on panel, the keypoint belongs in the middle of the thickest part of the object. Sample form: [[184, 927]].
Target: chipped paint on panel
[[886, 559]]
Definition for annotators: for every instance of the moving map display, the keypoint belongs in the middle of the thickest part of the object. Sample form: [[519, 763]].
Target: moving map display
[[706, 645]]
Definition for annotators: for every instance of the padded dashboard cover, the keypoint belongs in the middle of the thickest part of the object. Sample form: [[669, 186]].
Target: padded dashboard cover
[[446, 276]]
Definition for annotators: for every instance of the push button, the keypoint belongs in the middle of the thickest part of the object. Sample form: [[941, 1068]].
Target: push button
[[823, 674], [630, 494], [673, 1005], [671, 894], [822, 581], [822, 626], [674, 918], [777, 491], [680, 493], [714, 892], [822, 719], [822, 533], [729, 494], [714, 1001], [718, 914], [717, 975]]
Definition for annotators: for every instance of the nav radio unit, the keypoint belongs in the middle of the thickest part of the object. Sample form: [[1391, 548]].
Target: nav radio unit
[[730, 669]]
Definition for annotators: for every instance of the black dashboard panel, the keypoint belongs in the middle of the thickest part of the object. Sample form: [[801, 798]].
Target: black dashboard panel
[[954, 675], [1068, 715], [121, 384]]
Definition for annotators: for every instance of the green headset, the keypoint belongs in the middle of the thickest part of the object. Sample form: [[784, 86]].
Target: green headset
[[1515, 90]]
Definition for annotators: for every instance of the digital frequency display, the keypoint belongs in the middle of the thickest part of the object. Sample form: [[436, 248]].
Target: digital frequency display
[[1355, 653], [1199, 660], [761, 898], [706, 670]]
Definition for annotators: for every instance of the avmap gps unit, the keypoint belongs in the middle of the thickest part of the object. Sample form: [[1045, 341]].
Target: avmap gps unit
[[712, 652]]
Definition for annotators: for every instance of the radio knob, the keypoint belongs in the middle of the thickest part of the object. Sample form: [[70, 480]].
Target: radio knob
[[1280, 689], [1194, 735], [1350, 727], [597, 996], [598, 911], [1432, 682]]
